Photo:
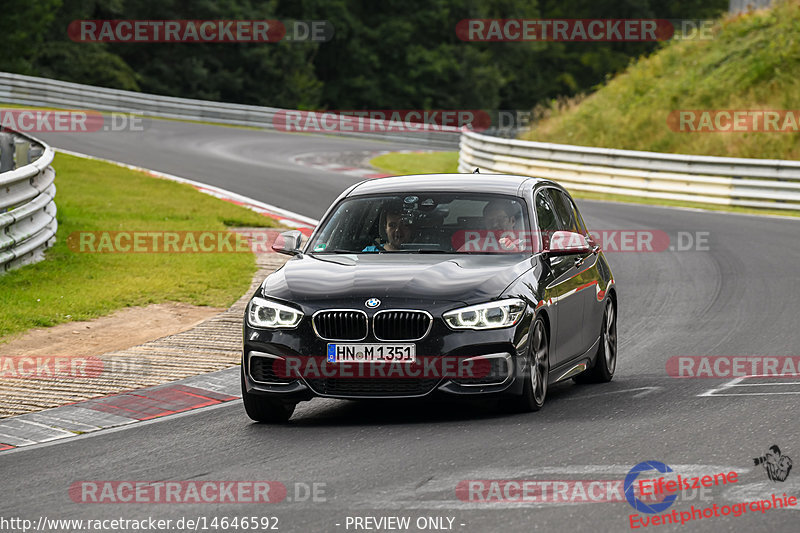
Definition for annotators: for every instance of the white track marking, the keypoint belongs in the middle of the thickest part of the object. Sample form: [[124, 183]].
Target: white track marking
[[727, 389]]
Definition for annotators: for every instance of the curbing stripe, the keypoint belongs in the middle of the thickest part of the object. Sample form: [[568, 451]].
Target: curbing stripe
[[31, 431], [75, 419], [220, 382], [68, 421], [14, 441]]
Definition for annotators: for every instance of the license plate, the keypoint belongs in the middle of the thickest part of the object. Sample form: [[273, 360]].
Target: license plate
[[372, 353]]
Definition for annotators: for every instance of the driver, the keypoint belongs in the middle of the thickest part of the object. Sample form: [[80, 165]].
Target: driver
[[398, 232]]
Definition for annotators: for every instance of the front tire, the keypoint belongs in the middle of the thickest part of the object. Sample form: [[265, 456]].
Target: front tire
[[606, 359], [534, 390], [264, 409]]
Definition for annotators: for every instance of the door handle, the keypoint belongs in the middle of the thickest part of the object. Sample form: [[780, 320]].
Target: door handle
[[579, 261]]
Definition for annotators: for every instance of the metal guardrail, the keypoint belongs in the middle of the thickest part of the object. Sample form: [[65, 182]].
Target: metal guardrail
[[739, 6], [29, 90], [27, 200], [759, 183]]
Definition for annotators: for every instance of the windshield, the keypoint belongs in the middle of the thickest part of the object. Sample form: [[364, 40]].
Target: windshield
[[426, 223]]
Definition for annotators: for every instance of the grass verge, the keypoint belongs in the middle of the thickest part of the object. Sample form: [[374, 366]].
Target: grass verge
[[417, 163], [98, 196]]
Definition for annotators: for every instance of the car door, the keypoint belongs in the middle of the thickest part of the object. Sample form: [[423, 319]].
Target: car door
[[563, 282], [591, 276], [586, 276]]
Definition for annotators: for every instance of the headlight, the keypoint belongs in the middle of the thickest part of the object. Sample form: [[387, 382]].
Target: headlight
[[491, 315], [263, 313]]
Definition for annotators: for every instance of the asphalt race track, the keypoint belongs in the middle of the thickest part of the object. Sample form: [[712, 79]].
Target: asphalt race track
[[211, 154], [739, 297]]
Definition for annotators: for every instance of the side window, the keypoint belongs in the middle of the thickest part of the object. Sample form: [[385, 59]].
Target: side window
[[544, 213], [565, 212], [546, 217]]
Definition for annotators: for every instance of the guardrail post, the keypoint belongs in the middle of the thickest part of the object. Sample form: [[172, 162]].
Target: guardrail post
[[22, 151], [6, 152]]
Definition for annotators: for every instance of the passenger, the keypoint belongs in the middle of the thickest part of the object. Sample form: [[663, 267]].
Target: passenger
[[500, 217]]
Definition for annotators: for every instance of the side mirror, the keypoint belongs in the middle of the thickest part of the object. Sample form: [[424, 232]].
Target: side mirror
[[567, 243], [288, 242]]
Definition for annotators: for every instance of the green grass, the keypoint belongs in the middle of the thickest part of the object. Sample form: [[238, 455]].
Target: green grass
[[97, 196], [417, 163], [753, 62], [445, 162]]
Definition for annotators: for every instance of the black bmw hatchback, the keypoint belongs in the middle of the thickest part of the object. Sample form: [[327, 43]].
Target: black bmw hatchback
[[460, 284]]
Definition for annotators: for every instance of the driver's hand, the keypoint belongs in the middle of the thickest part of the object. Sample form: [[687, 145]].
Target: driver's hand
[[508, 244]]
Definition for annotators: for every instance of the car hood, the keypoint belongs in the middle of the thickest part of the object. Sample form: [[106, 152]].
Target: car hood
[[456, 278]]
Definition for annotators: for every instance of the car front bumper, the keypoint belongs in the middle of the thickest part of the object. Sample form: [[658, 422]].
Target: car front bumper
[[504, 349]]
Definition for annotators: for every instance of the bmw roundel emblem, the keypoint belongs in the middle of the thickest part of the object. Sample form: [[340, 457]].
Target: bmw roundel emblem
[[372, 303]]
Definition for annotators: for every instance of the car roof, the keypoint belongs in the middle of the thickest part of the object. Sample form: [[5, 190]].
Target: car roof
[[487, 183]]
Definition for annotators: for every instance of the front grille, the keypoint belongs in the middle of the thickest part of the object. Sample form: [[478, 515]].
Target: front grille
[[401, 325], [341, 325], [373, 386], [261, 369]]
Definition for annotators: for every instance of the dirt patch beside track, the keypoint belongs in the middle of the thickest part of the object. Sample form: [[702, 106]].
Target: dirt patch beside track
[[120, 330], [131, 349]]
